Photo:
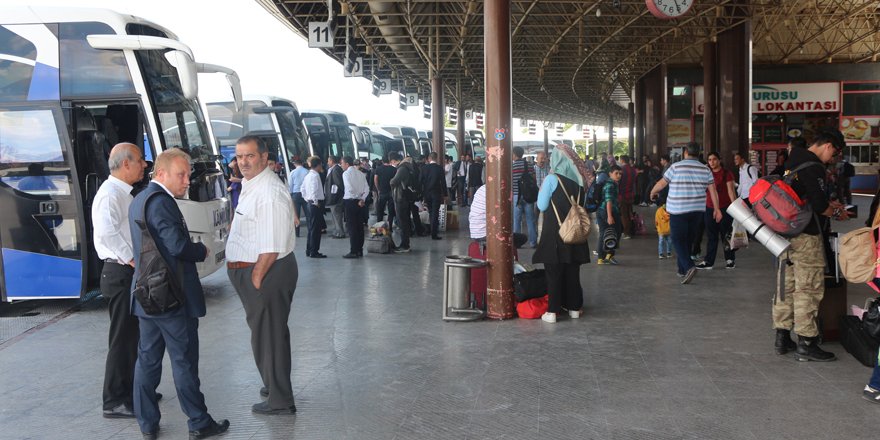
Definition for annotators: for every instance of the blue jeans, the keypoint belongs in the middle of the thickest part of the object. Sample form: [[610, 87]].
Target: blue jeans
[[301, 209], [684, 229], [875, 377], [531, 222], [664, 244]]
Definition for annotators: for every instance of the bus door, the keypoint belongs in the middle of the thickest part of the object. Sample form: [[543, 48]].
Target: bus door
[[95, 127], [41, 226]]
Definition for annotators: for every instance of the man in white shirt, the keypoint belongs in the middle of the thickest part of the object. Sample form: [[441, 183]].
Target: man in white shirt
[[263, 270], [313, 194], [748, 175], [477, 216], [354, 202], [112, 238]]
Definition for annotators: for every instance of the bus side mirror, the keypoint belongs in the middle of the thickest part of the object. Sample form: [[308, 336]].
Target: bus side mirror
[[186, 71], [231, 78]]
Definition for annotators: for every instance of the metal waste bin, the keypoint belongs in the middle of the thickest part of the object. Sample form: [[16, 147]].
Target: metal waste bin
[[457, 289]]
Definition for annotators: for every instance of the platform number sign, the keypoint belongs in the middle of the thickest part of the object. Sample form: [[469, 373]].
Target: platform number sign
[[357, 70], [384, 86], [321, 34], [412, 99], [468, 114]]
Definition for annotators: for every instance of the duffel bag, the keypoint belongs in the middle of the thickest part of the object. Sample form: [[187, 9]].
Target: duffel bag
[[528, 285], [379, 244], [857, 341], [532, 308]]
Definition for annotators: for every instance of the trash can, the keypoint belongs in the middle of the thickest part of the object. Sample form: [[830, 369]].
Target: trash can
[[457, 289]]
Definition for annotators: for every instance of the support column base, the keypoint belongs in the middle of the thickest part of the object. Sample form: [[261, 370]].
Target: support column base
[[500, 303]]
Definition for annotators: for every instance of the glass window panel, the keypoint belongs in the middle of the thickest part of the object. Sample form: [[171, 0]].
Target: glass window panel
[[86, 71], [31, 153]]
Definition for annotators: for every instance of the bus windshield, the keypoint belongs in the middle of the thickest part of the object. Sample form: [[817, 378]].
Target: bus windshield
[[293, 133], [344, 146], [180, 120]]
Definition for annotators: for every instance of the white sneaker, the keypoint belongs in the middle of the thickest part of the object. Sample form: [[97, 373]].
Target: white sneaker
[[548, 317], [574, 314]]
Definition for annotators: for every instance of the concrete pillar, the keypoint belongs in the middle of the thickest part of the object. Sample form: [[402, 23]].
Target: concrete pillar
[[438, 112], [710, 92], [734, 90], [459, 128], [547, 139], [641, 149], [632, 122], [499, 119], [655, 110]]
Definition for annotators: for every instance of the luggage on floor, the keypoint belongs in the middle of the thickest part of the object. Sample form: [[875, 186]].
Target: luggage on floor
[[479, 276], [858, 256], [379, 244], [532, 308], [857, 341], [528, 285]]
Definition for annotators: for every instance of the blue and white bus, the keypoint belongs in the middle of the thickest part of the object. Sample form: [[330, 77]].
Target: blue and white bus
[[74, 82]]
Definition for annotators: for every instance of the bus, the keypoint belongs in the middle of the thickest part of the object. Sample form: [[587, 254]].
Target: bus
[[74, 82], [275, 120], [410, 137], [330, 134]]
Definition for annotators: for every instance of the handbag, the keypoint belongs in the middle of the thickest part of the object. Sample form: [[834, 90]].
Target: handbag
[[575, 229], [871, 319], [157, 289], [528, 285]]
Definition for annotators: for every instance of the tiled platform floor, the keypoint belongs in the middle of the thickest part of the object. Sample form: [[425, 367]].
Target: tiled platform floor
[[650, 359]]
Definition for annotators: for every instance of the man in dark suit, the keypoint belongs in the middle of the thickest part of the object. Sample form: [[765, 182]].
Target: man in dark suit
[[334, 189], [475, 176], [434, 191], [178, 329]]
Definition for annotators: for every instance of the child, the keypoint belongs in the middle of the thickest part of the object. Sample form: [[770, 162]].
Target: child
[[608, 215], [661, 221]]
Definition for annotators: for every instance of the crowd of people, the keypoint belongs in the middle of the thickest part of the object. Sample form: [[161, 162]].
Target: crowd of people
[[691, 199]]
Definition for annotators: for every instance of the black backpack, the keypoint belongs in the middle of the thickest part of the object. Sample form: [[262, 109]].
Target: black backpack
[[158, 289], [528, 186], [594, 196], [413, 189]]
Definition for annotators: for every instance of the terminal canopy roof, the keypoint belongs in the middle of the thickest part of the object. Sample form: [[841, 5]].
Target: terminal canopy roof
[[576, 60]]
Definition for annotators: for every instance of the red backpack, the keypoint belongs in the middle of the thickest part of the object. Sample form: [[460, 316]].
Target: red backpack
[[777, 204]]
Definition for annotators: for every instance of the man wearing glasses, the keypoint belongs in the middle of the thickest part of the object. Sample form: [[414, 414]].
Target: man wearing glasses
[[804, 275]]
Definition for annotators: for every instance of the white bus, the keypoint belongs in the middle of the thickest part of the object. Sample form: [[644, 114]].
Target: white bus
[[74, 82], [277, 121]]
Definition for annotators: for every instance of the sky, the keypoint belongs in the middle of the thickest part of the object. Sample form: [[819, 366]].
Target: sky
[[269, 57]]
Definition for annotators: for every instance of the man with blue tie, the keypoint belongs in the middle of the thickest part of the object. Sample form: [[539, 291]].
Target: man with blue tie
[[177, 330]]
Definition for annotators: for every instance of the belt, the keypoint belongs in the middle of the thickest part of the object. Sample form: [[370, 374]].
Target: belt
[[112, 260], [238, 265]]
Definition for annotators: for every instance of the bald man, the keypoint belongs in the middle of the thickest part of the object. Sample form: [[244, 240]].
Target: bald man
[[112, 238]]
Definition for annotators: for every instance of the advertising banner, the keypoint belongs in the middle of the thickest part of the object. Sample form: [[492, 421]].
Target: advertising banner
[[786, 98]]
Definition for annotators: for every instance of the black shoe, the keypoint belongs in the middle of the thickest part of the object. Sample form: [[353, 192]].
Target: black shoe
[[264, 391], [214, 428], [436, 237], [263, 408], [318, 255], [360, 254], [120, 412], [401, 250], [784, 344], [152, 435], [808, 350], [350, 255]]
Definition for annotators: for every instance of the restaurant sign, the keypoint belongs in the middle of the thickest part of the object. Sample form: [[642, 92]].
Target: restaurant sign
[[787, 98]]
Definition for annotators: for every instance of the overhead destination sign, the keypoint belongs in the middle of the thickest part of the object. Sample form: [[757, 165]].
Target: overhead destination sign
[[787, 98]]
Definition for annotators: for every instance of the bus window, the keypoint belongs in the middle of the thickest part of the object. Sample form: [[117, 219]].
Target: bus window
[[180, 120], [32, 157], [343, 137], [15, 75], [87, 72]]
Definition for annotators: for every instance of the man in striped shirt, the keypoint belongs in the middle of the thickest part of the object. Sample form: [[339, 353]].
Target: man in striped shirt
[[688, 181]]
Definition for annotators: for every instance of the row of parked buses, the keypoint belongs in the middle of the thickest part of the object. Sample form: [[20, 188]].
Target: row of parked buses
[[292, 134], [73, 83]]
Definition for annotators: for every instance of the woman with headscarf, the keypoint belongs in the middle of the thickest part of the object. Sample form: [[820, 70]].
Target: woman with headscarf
[[562, 262]]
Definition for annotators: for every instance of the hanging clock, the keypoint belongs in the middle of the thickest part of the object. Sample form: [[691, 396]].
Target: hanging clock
[[669, 9]]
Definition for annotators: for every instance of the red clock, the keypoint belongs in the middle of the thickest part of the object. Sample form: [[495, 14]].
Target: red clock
[[669, 9]]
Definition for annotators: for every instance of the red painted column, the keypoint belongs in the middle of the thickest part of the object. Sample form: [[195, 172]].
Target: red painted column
[[499, 118], [438, 112]]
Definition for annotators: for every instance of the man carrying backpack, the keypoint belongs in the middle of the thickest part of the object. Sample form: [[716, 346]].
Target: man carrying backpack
[[525, 194], [804, 275]]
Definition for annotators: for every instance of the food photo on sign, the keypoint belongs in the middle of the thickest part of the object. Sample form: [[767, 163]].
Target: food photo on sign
[[860, 128]]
